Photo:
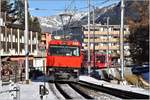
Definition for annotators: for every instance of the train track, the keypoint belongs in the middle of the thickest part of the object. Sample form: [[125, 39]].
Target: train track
[[69, 92], [64, 93], [56, 92], [114, 92], [83, 93], [83, 90], [95, 94]]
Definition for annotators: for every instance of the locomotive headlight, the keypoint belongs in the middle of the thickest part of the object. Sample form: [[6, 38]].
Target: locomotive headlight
[[75, 43], [75, 70], [64, 43]]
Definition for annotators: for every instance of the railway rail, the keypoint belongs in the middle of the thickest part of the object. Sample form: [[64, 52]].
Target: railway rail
[[95, 94], [83, 90], [71, 93], [114, 92], [66, 95]]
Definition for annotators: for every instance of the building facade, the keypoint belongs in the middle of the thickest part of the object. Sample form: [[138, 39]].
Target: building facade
[[12, 41], [106, 39]]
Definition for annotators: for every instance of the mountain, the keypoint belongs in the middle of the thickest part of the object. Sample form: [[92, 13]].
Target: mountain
[[98, 13], [53, 23], [113, 11], [130, 11]]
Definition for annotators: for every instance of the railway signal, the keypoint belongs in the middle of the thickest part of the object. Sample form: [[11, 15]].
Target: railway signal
[[43, 91]]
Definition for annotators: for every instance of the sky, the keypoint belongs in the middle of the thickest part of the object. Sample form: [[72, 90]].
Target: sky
[[53, 7]]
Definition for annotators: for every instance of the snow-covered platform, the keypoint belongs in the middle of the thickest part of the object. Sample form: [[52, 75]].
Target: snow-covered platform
[[27, 92], [115, 86]]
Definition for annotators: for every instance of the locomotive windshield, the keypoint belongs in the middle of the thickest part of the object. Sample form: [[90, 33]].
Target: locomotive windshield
[[101, 59], [63, 50]]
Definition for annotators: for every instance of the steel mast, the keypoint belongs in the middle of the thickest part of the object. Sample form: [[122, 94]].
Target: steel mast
[[0, 47], [121, 40], [94, 36], [89, 65], [107, 60], [26, 43]]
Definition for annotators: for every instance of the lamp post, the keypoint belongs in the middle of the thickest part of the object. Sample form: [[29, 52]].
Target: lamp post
[[26, 43], [68, 17]]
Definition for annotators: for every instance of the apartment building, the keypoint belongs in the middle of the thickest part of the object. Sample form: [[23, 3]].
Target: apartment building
[[106, 39], [12, 42]]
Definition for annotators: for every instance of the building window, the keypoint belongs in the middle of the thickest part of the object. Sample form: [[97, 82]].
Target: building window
[[9, 39], [101, 29], [2, 37], [22, 39]]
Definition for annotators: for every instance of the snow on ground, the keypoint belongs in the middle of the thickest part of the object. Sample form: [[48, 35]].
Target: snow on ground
[[31, 91], [27, 92], [111, 85]]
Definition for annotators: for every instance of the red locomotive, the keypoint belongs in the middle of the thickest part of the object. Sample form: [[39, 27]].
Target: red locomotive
[[100, 60], [64, 59]]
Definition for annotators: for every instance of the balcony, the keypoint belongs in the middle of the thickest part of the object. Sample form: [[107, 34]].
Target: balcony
[[103, 47], [103, 40], [116, 33], [103, 32]]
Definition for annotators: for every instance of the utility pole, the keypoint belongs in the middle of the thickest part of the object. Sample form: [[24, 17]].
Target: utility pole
[[62, 26], [0, 47], [89, 65], [107, 60], [94, 36], [26, 43], [5, 14], [121, 40]]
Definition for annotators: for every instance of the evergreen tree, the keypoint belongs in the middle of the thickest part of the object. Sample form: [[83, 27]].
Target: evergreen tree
[[139, 37], [19, 7], [15, 13], [6, 8]]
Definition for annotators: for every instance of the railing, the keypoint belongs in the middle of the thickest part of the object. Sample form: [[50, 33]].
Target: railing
[[105, 32], [103, 47], [103, 40]]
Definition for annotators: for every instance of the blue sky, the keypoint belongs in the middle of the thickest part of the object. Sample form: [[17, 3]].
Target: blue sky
[[52, 7]]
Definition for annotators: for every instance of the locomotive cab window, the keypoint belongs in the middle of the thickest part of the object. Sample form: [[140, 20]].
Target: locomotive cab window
[[100, 59], [63, 50]]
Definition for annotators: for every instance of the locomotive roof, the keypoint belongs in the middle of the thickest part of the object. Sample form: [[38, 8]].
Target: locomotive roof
[[69, 42]]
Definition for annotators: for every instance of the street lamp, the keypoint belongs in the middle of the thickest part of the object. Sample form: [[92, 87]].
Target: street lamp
[[65, 19]]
